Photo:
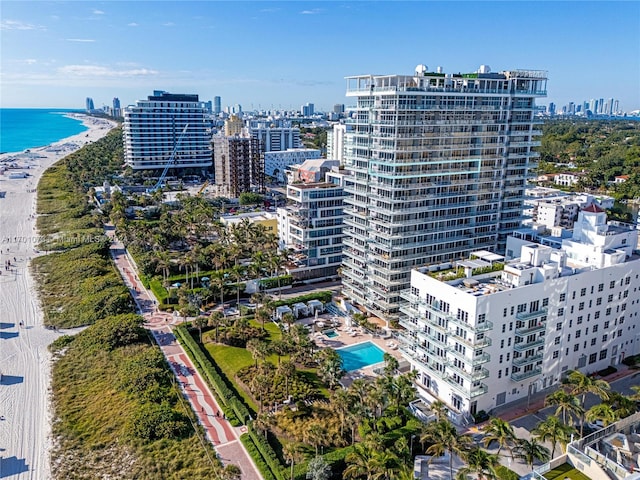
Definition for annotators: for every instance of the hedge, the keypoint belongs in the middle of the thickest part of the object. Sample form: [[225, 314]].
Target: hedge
[[277, 282], [230, 402], [267, 453], [264, 469]]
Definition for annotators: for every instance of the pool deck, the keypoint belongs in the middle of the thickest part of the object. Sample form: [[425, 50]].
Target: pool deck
[[349, 336]]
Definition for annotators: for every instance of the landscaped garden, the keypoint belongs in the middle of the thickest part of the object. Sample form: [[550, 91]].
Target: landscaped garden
[[565, 471]]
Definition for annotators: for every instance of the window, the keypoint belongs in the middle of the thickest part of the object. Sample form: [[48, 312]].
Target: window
[[559, 326], [596, 315], [604, 337], [499, 373], [508, 356], [608, 311], [482, 318], [578, 333], [560, 312], [556, 354], [583, 292], [573, 295], [500, 360], [522, 308], [504, 312], [579, 320], [619, 333], [576, 347], [599, 301], [504, 328], [510, 326], [603, 354], [601, 287], [610, 298], [502, 343], [506, 371], [563, 297], [606, 324], [556, 341], [612, 284], [593, 358], [594, 329], [593, 342], [581, 306], [545, 302], [508, 342]]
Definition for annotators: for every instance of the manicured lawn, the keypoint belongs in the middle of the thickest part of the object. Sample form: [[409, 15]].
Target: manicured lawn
[[565, 471]]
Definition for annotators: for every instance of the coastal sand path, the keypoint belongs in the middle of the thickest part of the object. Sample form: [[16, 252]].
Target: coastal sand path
[[25, 362], [219, 431]]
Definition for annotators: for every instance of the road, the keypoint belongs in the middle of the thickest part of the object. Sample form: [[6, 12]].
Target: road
[[224, 437]]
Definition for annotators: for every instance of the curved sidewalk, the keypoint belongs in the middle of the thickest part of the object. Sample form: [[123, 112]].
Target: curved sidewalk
[[223, 436]]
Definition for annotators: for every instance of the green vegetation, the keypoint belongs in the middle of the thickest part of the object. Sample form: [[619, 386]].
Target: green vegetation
[[565, 471], [116, 408], [602, 149]]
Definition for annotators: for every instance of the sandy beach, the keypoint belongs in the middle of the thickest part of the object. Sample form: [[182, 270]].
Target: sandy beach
[[25, 363]]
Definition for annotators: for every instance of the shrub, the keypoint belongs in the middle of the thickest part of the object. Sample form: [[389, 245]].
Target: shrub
[[60, 343], [152, 422], [503, 473], [115, 331]]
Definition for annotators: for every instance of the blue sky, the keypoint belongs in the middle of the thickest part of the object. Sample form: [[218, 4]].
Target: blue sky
[[283, 54]]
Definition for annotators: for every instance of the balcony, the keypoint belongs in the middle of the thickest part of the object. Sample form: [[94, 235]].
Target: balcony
[[441, 342], [470, 376], [523, 332], [471, 393], [517, 377], [530, 315], [520, 362], [480, 359], [521, 347]]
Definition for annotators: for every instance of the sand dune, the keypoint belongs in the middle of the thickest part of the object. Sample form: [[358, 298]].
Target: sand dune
[[25, 362]]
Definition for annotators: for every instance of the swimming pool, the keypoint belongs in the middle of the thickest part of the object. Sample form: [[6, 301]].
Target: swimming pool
[[360, 355], [331, 333]]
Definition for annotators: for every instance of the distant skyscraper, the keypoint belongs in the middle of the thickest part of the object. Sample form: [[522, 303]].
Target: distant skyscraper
[[438, 165], [307, 110], [89, 104], [338, 108], [616, 107], [217, 105], [153, 129], [335, 142], [552, 108], [116, 112], [275, 138]]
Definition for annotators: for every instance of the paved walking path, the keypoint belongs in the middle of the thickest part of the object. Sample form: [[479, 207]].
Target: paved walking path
[[219, 431]]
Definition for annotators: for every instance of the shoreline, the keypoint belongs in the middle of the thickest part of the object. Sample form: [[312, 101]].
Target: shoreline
[[25, 362]]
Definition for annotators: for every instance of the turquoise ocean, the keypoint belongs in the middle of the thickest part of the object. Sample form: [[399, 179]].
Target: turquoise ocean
[[22, 128]]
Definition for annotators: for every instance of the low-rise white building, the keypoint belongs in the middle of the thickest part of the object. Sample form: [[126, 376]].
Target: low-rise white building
[[486, 333], [275, 163]]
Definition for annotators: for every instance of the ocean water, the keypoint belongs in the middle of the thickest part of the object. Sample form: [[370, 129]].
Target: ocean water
[[22, 128]]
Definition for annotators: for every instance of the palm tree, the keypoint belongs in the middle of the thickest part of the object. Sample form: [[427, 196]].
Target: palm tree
[[215, 320], [622, 405], [566, 403], [262, 316], [440, 409], [315, 435], [602, 412], [383, 463], [443, 437], [288, 371], [258, 349], [288, 319], [480, 463], [340, 404], [580, 384], [201, 322], [330, 367], [293, 453], [554, 430], [359, 462], [530, 451], [500, 431]]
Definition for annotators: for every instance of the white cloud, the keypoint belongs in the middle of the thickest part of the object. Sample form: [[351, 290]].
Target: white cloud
[[18, 25], [98, 71], [314, 11], [132, 24], [30, 61], [168, 24], [81, 40], [98, 12]]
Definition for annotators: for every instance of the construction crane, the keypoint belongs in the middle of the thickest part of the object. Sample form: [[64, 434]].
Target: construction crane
[[170, 162], [204, 185]]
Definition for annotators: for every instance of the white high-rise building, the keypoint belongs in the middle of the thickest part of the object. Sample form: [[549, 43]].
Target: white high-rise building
[[438, 165], [335, 142], [153, 129], [486, 333], [275, 137]]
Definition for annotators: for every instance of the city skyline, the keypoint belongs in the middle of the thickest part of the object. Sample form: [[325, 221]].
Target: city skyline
[[281, 55]]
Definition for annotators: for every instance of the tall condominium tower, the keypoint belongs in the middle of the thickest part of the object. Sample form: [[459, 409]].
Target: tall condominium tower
[[438, 165], [153, 128], [89, 104], [217, 105], [238, 165]]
